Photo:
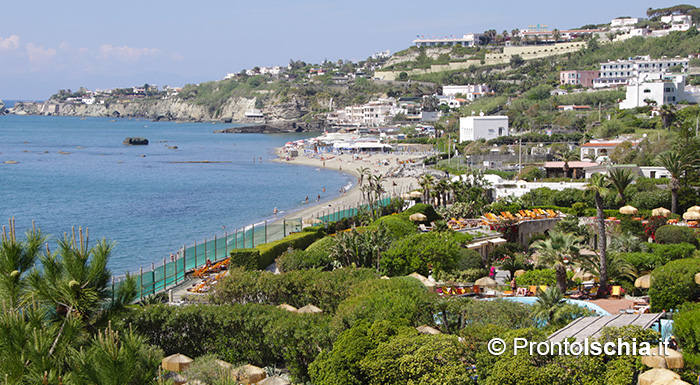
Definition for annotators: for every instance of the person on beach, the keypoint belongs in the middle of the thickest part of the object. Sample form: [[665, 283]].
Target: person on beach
[[208, 262], [307, 199], [324, 189], [275, 212], [318, 198], [172, 257]]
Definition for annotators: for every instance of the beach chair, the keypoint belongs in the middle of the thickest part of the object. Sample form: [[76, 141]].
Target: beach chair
[[616, 292], [532, 290], [423, 228], [544, 287], [507, 293]]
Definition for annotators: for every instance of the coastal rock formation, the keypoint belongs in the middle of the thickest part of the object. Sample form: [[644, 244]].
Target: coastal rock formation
[[135, 141], [273, 128]]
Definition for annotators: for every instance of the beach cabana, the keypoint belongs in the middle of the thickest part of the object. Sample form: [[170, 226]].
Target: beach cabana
[[418, 217], [176, 363], [486, 281], [415, 194], [628, 210], [518, 273], [697, 278], [660, 211], [695, 208], [668, 359], [691, 215], [287, 307], [643, 282], [652, 376], [249, 374], [425, 281], [425, 329]]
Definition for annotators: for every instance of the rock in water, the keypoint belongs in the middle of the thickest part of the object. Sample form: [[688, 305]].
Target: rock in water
[[135, 141]]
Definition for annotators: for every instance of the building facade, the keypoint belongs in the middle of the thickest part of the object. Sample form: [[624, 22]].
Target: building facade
[[482, 127], [658, 89], [467, 40], [583, 78]]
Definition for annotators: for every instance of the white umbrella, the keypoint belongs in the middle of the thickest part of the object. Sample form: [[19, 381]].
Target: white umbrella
[[418, 217], [661, 211], [691, 216], [486, 281], [643, 282], [629, 210]]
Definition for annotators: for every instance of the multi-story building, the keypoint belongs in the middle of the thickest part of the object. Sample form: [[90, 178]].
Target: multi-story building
[[678, 22], [618, 72], [583, 78], [657, 88], [482, 127], [623, 23], [467, 40], [469, 91]]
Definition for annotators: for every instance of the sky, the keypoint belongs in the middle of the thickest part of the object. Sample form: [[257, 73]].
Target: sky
[[50, 45]]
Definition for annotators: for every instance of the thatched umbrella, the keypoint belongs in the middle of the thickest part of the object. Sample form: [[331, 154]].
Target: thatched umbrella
[[425, 329], [628, 210], [486, 281], [583, 275], [697, 278], [309, 309], [274, 380], [425, 281], [674, 381], [691, 215], [652, 376], [668, 359], [418, 217], [695, 208], [287, 307], [661, 211], [643, 282], [518, 273], [249, 374], [415, 194], [405, 196], [176, 363]]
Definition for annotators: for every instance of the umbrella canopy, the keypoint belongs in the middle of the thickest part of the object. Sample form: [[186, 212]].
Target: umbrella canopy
[[274, 380], [583, 275], [309, 309], [518, 273], [668, 359], [486, 281], [691, 215], [418, 217], [628, 210], [425, 281], [674, 381], [176, 363], [695, 208], [661, 211], [425, 329], [651, 376], [312, 221], [249, 374], [643, 282], [697, 278], [405, 196], [416, 194], [287, 307]]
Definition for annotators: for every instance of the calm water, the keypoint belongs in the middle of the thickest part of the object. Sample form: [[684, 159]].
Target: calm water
[[147, 204]]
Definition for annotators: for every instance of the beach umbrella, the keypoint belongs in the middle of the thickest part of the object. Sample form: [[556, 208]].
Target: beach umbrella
[[691, 216], [415, 194], [418, 217], [643, 282], [405, 196], [425, 329], [249, 374], [287, 307], [674, 381], [667, 359], [309, 309], [695, 208], [274, 380], [583, 275], [486, 281], [652, 376], [628, 210], [697, 278], [176, 363], [661, 211], [425, 281], [312, 221], [518, 273]]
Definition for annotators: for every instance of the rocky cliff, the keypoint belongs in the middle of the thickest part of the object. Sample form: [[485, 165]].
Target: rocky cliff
[[232, 110]]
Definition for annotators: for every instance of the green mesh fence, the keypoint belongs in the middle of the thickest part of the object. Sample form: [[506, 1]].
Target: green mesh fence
[[173, 272]]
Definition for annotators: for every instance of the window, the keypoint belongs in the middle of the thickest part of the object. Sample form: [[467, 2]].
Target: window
[[646, 91]]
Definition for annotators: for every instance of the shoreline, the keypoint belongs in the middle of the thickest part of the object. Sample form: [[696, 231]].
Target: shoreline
[[349, 164]]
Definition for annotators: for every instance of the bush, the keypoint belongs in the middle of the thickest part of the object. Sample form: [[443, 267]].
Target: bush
[[632, 226], [398, 226], [668, 253], [649, 200], [301, 260], [470, 259], [271, 250], [674, 283], [246, 258], [686, 327], [643, 261], [322, 246], [419, 252], [670, 234]]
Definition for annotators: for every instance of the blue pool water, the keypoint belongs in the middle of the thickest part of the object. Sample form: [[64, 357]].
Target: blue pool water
[[589, 305], [77, 172]]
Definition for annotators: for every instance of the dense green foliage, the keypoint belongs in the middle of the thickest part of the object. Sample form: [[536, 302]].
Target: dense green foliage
[[420, 253], [673, 284], [670, 234]]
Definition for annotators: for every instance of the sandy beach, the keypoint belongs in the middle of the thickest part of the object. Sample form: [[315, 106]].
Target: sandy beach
[[350, 164]]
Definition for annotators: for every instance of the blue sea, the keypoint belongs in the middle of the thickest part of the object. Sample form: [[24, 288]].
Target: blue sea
[[76, 172]]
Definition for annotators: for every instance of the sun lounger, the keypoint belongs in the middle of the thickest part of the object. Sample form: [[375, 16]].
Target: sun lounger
[[616, 292]]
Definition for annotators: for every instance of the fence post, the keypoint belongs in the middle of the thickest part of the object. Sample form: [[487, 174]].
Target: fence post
[[215, 249], [184, 262], [266, 231], [165, 274], [226, 243], [284, 227], [141, 282], [113, 289], [252, 236], [195, 255], [205, 250]]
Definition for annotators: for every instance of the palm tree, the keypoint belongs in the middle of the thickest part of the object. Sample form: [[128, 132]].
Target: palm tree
[[16, 258], [599, 186], [621, 178], [676, 164], [567, 156], [556, 35], [550, 306], [667, 112], [442, 188], [558, 250], [426, 182]]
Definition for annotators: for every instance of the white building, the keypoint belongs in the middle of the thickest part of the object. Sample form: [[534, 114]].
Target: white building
[[619, 72], [482, 127], [678, 22], [470, 91], [623, 23], [467, 40], [659, 88]]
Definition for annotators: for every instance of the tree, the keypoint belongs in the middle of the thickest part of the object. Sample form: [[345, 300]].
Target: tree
[[667, 112], [676, 164], [621, 178], [558, 250], [567, 156], [426, 182], [16, 258], [556, 35], [599, 186], [549, 305]]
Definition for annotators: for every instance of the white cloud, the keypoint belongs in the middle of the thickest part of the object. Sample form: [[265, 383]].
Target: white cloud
[[10, 43], [125, 53], [39, 53]]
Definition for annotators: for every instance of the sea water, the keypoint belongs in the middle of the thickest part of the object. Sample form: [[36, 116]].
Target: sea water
[[149, 200]]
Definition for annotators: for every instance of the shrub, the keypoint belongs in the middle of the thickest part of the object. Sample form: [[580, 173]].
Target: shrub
[[424, 209], [649, 200], [271, 250], [300, 260], [632, 226], [398, 226], [470, 259], [675, 234], [420, 251], [653, 224], [246, 258], [322, 246], [673, 284], [671, 252], [643, 261], [686, 327]]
